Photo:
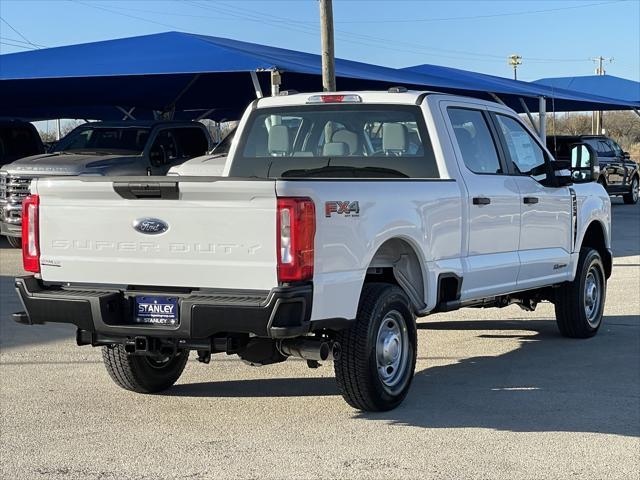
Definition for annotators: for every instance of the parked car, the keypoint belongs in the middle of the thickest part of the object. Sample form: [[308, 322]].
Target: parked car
[[339, 218], [100, 148], [618, 173], [18, 139]]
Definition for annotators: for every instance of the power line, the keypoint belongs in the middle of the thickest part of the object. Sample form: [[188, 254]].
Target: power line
[[14, 40], [20, 34], [135, 17], [477, 17], [26, 47]]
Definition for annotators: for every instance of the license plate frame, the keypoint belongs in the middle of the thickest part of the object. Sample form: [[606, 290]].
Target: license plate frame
[[160, 310]]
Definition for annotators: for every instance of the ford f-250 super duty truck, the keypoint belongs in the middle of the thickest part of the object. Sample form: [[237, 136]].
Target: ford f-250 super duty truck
[[338, 219], [100, 148]]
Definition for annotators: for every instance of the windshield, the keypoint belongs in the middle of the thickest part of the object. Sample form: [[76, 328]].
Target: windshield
[[347, 140], [129, 140]]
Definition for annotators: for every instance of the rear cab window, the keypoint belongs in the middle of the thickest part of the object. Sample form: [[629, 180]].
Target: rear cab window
[[336, 141]]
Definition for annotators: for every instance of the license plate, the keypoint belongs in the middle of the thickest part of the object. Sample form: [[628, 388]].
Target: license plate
[[157, 310]]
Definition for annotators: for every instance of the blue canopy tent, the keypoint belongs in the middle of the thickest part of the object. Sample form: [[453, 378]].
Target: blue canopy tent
[[605, 85], [198, 76]]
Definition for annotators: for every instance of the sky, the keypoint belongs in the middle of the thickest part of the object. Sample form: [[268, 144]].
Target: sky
[[554, 38]]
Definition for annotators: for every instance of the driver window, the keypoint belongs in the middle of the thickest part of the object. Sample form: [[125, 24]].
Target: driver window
[[165, 143], [526, 156]]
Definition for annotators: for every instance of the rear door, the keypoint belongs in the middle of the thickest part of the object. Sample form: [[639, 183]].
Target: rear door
[[201, 232], [545, 234], [492, 262]]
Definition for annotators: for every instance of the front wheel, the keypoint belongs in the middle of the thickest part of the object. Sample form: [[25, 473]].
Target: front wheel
[[580, 304], [143, 374], [631, 198], [378, 357], [15, 242]]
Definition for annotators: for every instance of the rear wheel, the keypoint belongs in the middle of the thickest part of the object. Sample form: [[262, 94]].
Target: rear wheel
[[143, 374], [580, 304], [631, 198], [378, 357], [15, 242]]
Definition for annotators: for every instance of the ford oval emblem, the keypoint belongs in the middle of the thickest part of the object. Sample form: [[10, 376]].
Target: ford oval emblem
[[150, 226]]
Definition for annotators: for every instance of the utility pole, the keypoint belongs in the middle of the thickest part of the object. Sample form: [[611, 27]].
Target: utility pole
[[328, 52], [596, 119], [514, 61]]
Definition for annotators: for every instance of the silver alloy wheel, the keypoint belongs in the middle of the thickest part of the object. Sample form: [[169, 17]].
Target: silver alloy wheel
[[634, 190], [392, 350], [593, 289]]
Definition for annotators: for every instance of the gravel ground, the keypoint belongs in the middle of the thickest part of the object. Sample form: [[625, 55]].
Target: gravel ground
[[497, 394]]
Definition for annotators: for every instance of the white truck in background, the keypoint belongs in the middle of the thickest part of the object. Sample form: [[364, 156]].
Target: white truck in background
[[336, 221]]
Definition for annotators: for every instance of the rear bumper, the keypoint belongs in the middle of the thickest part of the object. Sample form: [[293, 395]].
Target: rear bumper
[[10, 229], [280, 313]]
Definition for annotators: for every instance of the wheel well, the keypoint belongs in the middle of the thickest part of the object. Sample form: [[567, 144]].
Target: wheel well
[[396, 261], [594, 238]]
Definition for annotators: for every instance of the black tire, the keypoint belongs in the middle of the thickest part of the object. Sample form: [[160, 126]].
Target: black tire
[[631, 198], [15, 242], [577, 314], [141, 374], [357, 375]]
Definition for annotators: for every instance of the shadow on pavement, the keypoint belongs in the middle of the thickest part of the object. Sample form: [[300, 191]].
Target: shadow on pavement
[[549, 383], [273, 387], [625, 228]]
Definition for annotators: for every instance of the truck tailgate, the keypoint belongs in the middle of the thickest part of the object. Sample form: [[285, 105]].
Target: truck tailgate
[[220, 233]]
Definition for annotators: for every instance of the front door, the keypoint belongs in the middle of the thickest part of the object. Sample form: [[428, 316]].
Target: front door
[[493, 207], [545, 234]]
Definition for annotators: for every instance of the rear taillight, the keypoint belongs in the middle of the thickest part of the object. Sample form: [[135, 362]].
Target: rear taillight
[[296, 229], [31, 234]]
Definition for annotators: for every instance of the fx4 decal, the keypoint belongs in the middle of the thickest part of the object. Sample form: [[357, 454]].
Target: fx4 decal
[[347, 208]]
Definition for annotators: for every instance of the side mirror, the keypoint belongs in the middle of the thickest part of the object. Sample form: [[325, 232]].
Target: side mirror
[[584, 163], [626, 155]]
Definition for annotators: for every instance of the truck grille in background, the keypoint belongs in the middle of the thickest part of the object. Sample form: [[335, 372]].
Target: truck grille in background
[[13, 190]]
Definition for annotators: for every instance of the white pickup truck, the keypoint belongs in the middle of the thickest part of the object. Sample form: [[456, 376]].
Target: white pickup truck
[[336, 220]]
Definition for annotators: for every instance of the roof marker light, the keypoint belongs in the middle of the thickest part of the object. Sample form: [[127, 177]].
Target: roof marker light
[[349, 98]]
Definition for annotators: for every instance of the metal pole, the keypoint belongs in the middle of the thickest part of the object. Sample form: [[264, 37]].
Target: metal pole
[[276, 80], [542, 112], [58, 130], [328, 51], [256, 84]]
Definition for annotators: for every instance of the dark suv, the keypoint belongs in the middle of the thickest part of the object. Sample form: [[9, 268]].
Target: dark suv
[[18, 139], [618, 173]]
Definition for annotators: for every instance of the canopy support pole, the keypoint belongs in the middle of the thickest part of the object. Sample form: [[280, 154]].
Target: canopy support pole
[[497, 98], [526, 110], [127, 114], [256, 84], [637, 112], [171, 108], [276, 80], [542, 114], [204, 115]]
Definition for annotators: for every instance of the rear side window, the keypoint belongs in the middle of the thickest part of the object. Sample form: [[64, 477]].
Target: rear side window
[[192, 142], [336, 141], [475, 140]]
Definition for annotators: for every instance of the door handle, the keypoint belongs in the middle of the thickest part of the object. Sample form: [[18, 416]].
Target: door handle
[[481, 201], [530, 200]]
